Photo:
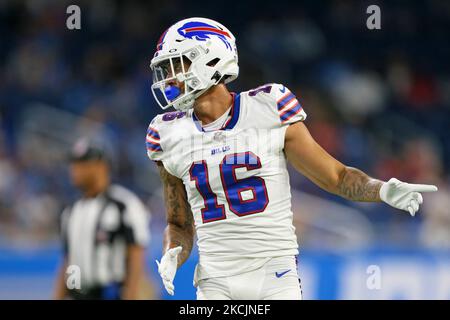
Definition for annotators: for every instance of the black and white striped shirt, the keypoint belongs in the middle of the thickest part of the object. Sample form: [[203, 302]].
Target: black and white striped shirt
[[96, 233]]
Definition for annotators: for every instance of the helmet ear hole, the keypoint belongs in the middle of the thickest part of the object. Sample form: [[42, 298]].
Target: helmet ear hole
[[216, 76], [213, 62]]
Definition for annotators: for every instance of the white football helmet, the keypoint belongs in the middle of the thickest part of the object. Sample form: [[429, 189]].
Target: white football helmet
[[197, 53]]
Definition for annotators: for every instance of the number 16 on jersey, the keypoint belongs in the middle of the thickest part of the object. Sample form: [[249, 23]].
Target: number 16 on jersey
[[233, 187]]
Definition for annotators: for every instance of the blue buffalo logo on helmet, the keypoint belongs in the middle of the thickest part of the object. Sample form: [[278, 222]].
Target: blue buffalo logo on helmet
[[202, 31]]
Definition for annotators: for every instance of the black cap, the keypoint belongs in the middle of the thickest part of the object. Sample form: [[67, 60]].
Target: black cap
[[86, 149]]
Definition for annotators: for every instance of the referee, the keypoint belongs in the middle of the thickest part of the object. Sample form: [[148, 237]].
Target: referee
[[105, 232]]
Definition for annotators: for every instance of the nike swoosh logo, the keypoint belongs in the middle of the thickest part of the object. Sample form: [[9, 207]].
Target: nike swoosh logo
[[283, 90], [280, 274]]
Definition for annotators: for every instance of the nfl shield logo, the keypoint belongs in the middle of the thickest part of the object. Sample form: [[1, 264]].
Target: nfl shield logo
[[219, 136]]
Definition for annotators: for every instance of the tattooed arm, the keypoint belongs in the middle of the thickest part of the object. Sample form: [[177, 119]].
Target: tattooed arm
[[357, 186], [316, 164], [180, 222]]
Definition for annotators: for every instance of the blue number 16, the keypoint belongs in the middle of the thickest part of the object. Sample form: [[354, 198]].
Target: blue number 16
[[233, 187]]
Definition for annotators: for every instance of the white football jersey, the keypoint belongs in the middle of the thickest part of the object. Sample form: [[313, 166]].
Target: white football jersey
[[235, 178]]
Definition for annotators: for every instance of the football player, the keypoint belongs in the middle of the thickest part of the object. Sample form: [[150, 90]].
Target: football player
[[222, 159]]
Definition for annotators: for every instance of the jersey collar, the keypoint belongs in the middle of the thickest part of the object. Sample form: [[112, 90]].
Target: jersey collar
[[230, 123]]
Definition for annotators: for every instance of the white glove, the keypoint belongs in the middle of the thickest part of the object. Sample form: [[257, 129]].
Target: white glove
[[167, 268], [404, 196]]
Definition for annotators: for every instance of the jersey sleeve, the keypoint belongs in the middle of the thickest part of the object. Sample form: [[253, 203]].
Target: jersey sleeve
[[63, 222], [153, 141], [137, 223], [288, 107]]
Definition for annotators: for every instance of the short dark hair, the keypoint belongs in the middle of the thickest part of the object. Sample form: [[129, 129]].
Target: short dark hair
[[85, 149]]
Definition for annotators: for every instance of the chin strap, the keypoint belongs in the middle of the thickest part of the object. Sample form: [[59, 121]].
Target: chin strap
[[189, 101]]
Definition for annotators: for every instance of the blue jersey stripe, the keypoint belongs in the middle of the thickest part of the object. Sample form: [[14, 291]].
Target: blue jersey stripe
[[235, 113], [282, 103], [153, 133], [291, 112], [153, 146]]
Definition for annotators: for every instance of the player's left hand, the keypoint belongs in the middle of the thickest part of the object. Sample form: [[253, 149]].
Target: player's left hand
[[167, 268], [404, 196]]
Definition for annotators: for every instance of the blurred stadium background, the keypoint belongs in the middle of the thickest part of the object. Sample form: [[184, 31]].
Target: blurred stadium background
[[377, 100]]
